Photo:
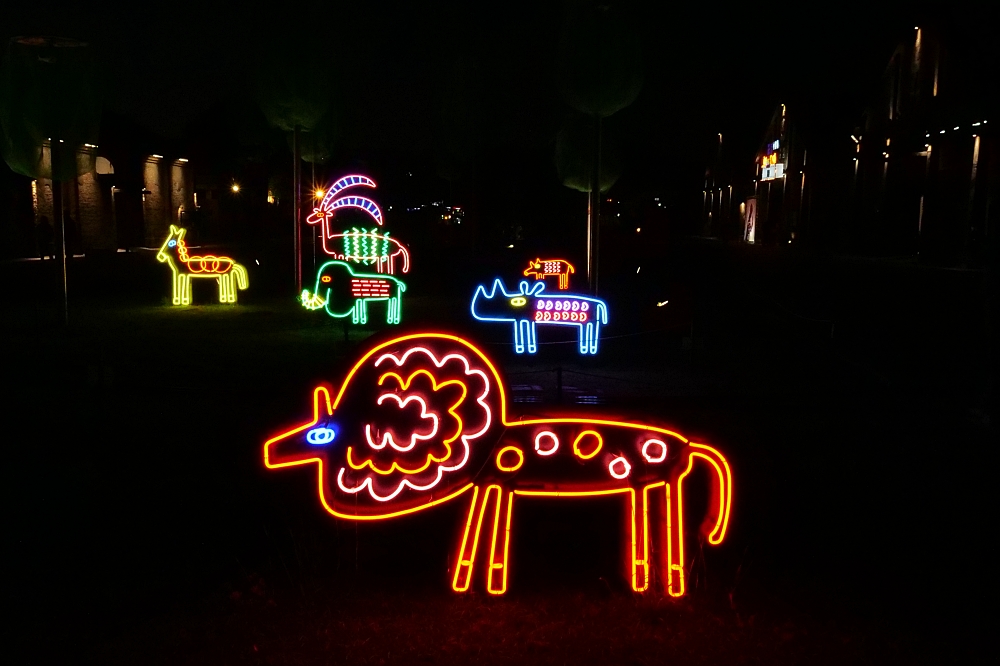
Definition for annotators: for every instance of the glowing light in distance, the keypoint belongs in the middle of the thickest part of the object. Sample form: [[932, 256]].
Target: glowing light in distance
[[235, 187], [319, 193], [660, 304]]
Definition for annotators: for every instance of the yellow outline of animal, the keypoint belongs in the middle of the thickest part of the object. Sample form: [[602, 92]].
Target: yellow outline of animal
[[224, 269]]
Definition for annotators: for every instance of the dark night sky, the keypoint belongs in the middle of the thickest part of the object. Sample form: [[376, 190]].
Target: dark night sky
[[397, 66]]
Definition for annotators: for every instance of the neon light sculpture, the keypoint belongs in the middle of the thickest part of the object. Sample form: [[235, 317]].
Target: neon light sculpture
[[357, 245], [174, 253], [422, 419], [370, 248], [530, 306], [542, 268], [342, 292]]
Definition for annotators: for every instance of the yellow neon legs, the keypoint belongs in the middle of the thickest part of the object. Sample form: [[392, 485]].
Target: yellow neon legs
[[500, 502]]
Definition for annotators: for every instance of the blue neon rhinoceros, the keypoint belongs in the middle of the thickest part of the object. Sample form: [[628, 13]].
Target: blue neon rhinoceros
[[530, 306]]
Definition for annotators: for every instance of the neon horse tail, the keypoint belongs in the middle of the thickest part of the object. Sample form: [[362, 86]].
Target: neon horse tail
[[241, 275]]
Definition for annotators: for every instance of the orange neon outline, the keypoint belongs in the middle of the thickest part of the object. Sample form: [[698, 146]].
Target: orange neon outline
[[576, 444], [555, 439], [541, 273], [722, 503], [510, 468]]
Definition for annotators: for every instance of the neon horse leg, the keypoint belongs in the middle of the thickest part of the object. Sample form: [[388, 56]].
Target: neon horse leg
[[496, 582], [675, 541], [638, 548], [518, 340], [178, 291], [470, 541]]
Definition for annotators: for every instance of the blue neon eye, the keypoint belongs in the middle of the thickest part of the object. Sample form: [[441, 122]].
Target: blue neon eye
[[172, 243], [320, 436]]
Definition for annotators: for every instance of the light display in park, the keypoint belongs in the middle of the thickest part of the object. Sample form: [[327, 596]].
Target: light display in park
[[185, 267], [342, 293], [542, 268], [530, 306], [421, 420]]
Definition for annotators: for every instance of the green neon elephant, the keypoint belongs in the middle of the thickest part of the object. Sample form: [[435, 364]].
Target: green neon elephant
[[342, 292]]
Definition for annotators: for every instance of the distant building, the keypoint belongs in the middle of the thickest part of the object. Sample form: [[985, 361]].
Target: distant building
[[777, 210], [125, 204], [924, 164]]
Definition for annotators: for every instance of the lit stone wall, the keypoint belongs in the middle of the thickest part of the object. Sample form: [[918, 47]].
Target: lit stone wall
[[155, 201], [93, 209], [181, 193]]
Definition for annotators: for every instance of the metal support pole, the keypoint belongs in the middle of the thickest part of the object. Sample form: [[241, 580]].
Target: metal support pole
[[594, 211], [297, 203], [60, 221]]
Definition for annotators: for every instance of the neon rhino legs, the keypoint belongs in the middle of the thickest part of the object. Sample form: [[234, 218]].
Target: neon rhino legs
[[525, 336], [646, 466]]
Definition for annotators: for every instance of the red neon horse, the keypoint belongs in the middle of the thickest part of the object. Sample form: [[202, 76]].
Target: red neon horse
[[422, 419]]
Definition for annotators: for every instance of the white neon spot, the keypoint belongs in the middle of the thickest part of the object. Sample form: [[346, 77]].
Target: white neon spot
[[658, 458], [387, 437], [624, 463], [538, 445]]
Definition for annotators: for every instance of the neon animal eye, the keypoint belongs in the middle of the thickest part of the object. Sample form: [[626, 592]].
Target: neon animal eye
[[320, 436], [172, 243], [325, 278], [518, 301]]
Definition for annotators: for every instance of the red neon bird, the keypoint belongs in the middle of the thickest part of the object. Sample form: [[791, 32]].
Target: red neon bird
[[422, 419]]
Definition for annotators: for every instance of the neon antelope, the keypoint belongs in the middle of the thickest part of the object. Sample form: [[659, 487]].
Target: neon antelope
[[422, 419], [326, 210], [225, 270], [362, 247], [342, 292], [542, 268], [531, 306]]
